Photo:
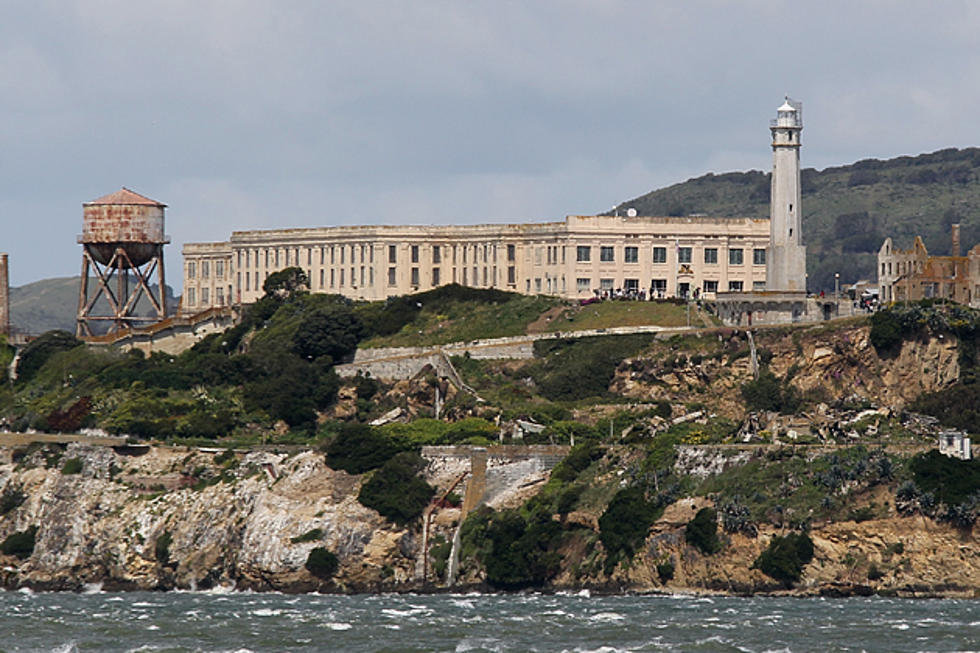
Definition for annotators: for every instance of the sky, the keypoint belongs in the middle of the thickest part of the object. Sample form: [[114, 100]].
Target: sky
[[248, 114]]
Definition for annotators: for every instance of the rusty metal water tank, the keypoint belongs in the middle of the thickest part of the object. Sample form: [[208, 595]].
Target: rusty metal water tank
[[125, 220]]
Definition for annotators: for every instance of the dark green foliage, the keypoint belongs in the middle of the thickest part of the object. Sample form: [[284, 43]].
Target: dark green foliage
[[38, 351], [702, 531], [161, 549], [331, 330], [286, 282], [664, 409], [625, 524], [785, 558], [11, 499], [20, 544], [439, 554], [366, 386], [322, 563], [736, 518], [311, 535], [950, 480], [582, 368], [769, 393], [72, 466], [521, 552], [396, 491], [569, 498], [665, 571], [358, 448], [886, 332], [955, 407], [577, 460]]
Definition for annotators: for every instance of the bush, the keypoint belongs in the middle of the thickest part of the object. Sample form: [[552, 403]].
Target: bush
[[625, 524], [322, 563], [702, 531], [577, 369], [886, 332], [161, 549], [311, 535], [38, 351], [785, 558], [521, 552], [768, 393], [396, 491], [72, 466], [950, 480], [577, 461], [20, 544], [11, 499], [358, 448], [665, 571]]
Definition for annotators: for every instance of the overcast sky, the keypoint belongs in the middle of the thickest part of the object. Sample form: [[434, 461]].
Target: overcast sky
[[247, 114]]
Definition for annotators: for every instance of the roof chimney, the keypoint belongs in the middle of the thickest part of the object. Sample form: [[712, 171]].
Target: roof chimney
[[956, 239]]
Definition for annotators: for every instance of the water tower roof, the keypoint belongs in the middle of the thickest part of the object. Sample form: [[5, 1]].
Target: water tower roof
[[125, 196]]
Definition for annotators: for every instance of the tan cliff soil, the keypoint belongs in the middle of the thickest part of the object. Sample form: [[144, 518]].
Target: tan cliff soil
[[832, 363]]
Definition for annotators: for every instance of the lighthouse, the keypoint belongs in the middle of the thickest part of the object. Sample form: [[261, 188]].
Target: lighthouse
[[786, 255]]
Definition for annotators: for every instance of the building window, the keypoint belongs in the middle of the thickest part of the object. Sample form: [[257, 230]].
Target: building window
[[511, 253], [341, 277], [658, 287], [191, 300], [415, 276], [415, 253], [511, 275], [343, 254], [606, 255], [205, 269], [435, 276], [758, 256], [219, 269], [192, 270], [256, 279], [734, 257], [683, 254], [321, 279], [392, 255], [219, 296], [583, 253], [205, 296], [436, 254], [711, 255], [606, 284], [631, 285], [710, 286], [758, 286], [537, 285], [631, 255], [392, 277], [583, 284], [734, 286], [659, 254]]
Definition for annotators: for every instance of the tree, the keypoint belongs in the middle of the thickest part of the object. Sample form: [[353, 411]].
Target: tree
[[702, 531], [322, 563], [286, 282], [37, 353], [396, 491], [332, 330]]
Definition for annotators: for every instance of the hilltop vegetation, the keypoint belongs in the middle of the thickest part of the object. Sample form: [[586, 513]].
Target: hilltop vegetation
[[848, 211]]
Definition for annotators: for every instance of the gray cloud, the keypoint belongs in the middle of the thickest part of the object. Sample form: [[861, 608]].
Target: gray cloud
[[251, 114]]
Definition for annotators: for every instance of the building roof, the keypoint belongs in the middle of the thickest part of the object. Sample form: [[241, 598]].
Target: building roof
[[787, 107], [125, 196]]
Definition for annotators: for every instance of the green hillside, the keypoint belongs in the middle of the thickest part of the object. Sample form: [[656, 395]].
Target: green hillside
[[848, 210], [52, 304]]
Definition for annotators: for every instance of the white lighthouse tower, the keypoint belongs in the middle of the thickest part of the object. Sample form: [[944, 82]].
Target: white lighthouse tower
[[786, 255]]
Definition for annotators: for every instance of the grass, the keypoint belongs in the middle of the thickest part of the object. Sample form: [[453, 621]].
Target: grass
[[464, 321], [604, 315]]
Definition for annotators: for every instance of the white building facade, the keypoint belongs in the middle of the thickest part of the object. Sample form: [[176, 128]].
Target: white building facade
[[661, 256]]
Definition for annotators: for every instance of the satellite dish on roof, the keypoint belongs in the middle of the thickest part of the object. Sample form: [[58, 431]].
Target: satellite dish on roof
[[631, 213]]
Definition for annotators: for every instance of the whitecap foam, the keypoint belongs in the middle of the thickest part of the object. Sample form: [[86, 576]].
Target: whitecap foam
[[339, 625], [267, 612], [92, 588]]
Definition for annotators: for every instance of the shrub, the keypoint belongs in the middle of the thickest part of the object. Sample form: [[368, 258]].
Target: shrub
[[358, 448], [38, 351], [11, 499], [311, 535], [577, 369], [322, 563], [625, 524], [886, 332], [20, 544], [577, 460], [72, 466], [663, 409], [521, 552], [439, 553], [736, 518], [665, 571], [768, 393], [702, 531], [396, 491], [161, 549], [785, 558], [950, 480]]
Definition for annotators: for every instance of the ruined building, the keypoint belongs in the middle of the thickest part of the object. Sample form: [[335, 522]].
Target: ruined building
[[912, 274]]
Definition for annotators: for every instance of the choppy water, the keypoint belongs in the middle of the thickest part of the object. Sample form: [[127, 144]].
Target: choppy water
[[203, 621]]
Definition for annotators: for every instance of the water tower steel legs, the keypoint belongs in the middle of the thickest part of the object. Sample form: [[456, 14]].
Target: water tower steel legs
[[123, 302]]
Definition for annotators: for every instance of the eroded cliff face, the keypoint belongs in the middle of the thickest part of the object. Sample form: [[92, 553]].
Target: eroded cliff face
[[836, 363], [103, 524]]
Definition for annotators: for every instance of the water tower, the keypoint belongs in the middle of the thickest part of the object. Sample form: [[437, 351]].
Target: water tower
[[122, 245]]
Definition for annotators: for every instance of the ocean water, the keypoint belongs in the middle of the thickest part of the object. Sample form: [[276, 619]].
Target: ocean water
[[214, 621]]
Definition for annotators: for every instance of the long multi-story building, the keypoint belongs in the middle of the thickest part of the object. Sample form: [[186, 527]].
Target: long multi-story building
[[661, 256]]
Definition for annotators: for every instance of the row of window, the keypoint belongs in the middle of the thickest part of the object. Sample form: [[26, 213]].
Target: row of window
[[219, 269], [659, 286], [219, 296], [607, 254]]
